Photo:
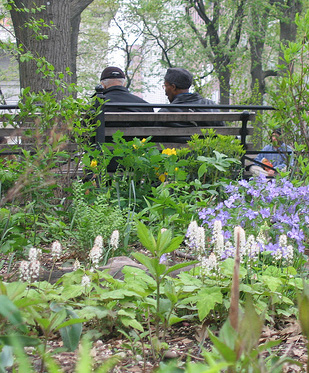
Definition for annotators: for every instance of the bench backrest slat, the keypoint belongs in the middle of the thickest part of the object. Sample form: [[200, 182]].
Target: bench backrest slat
[[176, 117]]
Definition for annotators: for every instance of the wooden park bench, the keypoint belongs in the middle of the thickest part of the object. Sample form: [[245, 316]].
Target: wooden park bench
[[236, 124]]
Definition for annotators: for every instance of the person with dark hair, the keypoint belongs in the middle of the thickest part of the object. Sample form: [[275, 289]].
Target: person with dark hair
[[177, 82], [276, 155]]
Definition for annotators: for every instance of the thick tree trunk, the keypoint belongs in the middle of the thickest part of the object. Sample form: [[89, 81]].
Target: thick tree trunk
[[51, 43], [56, 42], [288, 28]]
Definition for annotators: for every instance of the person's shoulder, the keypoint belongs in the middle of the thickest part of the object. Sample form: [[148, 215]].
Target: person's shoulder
[[268, 147]]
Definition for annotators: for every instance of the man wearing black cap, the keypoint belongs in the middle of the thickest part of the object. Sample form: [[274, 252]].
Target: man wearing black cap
[[113, 80], [177, 82], [277, 155]]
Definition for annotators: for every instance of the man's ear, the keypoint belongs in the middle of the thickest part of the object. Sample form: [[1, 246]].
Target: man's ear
[[174, 87]]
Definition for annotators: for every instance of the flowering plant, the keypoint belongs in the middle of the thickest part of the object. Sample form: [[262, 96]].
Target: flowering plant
[[277, 210]]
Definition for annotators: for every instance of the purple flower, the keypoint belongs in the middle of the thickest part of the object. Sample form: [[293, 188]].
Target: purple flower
[[296, 234], [265, 212], [163, 258], [244, 183], [272, 247], [250, 214]]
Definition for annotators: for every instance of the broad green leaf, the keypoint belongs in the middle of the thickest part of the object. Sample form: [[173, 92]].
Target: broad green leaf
[[227, 353], [15, 289], [90, 312], [22, 340], [118, 294], [174, 320], [146, 261], [43, 323], [180, 265], [207, 299], [127, 313], [273, 283], [6, 358], [132, 323], [71, 335], [202, 170], [146, 238], [70, 322], [174, 245], [71, 291], [11, 313], [163, 241], [250, 327]]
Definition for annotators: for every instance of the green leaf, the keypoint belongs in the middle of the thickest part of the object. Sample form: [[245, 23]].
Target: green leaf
[[11, 313], [6, 358], [273, 283], [174, 245], [71, 333], [174, 320], [22, 340], [84, 362], [250, 327], [163, 241], [146, 261], [180, 265], [128, 322], [15, 289], [202, 170], [303, 306], [207, 299], [70, 322], [227, 353], [146, 238]]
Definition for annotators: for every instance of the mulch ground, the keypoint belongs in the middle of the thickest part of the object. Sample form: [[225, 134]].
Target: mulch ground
[[185, 341]]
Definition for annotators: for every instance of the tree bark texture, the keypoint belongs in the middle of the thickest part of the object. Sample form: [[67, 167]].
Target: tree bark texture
[[58, 44], [288, 28], [223, 45]]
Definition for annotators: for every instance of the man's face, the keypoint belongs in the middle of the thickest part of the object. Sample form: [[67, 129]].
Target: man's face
[[275, 139], [170, 90]]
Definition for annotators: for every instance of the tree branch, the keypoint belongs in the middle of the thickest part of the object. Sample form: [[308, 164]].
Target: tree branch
[[77, 6]]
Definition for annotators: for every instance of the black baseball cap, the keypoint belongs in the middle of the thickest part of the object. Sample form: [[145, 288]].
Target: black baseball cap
[[112, 72]]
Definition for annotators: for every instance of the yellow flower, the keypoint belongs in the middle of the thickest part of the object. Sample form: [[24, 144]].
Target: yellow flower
[[93, 163], [162, 177], [144, 140], [134, 146], [176, 169], [169, 151]]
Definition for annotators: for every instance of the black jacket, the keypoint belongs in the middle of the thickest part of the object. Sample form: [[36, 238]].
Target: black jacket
[[119, 94], [194, 99]]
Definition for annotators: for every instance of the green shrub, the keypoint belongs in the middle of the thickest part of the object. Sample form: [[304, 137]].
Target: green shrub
[[206, 146]]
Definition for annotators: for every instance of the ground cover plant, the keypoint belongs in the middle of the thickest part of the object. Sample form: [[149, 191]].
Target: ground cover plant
[[271, 273]]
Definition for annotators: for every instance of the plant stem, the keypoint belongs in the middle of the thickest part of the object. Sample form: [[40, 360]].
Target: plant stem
[[158, 307]]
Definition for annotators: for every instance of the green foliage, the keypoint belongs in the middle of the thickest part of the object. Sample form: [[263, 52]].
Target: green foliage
[[289, 95], [100, 217], [227, 151]]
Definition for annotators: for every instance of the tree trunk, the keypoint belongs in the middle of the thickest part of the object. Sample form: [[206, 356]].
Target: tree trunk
[[56, 42], [288, 28], [225, 85]]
